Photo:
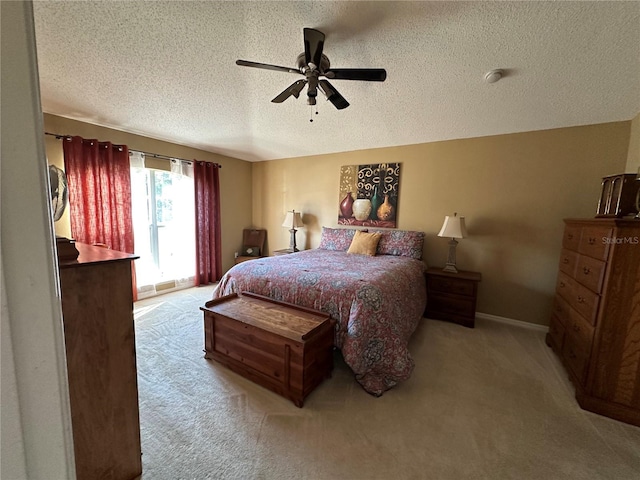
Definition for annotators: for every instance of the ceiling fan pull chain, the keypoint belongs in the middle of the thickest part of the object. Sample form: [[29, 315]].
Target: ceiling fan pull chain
[[311, 119]]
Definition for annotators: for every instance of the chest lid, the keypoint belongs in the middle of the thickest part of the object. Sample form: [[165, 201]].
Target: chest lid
[[283, 319]]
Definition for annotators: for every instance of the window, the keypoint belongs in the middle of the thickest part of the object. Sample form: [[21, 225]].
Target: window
[[164, 229]]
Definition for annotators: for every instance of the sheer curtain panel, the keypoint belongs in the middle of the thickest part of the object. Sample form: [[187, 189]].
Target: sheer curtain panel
[[207, 196]]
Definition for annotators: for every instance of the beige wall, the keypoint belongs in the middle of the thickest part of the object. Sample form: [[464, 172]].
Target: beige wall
[[235, 175], [513, 189], [633, 157]]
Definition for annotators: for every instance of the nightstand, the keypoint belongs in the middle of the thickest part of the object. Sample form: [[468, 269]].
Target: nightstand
[[285, 251], [452, 296], [243, 258]]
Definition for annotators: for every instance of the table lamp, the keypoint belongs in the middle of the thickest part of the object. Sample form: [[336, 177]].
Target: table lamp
[[292, 221], [453, 228]]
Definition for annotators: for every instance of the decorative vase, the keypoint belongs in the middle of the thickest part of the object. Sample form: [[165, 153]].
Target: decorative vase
[[386, 211], [376, 201], [346, 206], [361, 209]]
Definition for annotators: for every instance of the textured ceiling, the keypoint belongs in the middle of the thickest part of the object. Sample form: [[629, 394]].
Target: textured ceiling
[[167, 70]]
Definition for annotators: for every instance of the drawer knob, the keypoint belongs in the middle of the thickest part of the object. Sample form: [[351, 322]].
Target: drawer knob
[[580, 299], [565, 260], [592, 241], [586, 270], [576, 328], [562, 285], [570, 236]]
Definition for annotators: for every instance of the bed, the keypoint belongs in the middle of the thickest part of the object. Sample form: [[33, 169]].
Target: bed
[[377, 301]]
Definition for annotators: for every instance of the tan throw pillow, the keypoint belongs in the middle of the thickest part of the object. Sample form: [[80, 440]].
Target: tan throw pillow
[[364, 243]]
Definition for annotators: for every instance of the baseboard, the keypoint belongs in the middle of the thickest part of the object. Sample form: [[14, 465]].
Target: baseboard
[[148, 291], [511, 321], [170, 285]]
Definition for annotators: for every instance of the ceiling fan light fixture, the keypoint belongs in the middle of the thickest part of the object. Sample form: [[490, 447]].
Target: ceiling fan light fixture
[[494, 75], [313, 64]]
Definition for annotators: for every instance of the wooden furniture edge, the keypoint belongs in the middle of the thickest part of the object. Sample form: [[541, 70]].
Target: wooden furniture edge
[[327, 318]]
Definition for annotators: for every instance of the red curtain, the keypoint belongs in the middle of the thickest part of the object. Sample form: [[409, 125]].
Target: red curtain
[[206, 179], [99, 180]]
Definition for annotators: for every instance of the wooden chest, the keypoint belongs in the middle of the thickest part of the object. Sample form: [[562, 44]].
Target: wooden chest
[[283, 347]]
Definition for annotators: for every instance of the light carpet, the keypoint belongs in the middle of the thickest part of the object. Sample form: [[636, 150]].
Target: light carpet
[[492, 402]]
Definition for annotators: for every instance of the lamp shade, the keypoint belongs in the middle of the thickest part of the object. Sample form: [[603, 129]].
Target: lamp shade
[[293, 220], [453, 227]]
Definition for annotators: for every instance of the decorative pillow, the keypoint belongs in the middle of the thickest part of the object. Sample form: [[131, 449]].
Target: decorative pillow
[[364, 243], [336, 238], [402, 243]]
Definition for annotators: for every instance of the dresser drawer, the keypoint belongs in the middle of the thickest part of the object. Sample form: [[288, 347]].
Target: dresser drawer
[[580, 330], [451, 304], [590, 272], [556, 332], [571, 237], [593, 242], [450, 285], [575, 356], [565, 287], [585, 302], [568, 260], [561, 310]]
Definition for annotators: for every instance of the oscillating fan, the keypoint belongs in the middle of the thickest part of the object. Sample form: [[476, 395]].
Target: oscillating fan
[[59, 191]]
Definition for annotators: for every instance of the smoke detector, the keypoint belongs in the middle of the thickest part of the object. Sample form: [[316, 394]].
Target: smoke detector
[[493, 76]]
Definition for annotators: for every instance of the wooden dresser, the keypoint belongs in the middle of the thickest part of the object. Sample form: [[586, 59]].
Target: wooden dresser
[[595, 323], [97, 307]]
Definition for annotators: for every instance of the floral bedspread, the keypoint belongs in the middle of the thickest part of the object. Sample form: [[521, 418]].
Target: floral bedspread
[[377, 303]]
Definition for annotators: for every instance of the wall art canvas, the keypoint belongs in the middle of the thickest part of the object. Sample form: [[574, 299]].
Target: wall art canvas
[[369, 195]]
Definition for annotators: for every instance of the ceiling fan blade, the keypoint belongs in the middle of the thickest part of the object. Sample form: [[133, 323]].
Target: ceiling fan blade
[[366, 74], [266, 66], [332, 95], [292, 90], [313, 45]]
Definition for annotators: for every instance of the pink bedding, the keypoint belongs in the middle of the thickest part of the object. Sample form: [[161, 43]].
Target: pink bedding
[[377, 303]]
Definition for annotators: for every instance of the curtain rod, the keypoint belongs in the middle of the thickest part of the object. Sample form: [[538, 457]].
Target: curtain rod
[[154, 155], [157, 155]]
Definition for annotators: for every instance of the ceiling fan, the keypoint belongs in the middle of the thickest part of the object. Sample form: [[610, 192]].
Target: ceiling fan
[[316, 68]]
